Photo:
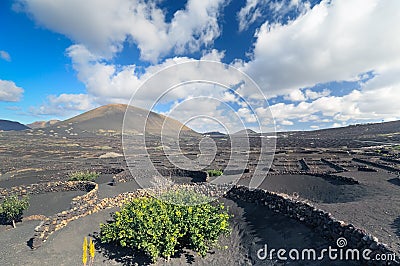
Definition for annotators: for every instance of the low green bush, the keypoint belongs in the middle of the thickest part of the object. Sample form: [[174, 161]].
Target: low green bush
[[12, 208], [83, 176], [160, 228], [215, 172]]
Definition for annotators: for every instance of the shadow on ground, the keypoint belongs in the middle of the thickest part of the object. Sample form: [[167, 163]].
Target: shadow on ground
[[130, 257], [394, 181], [396, 226], [3, 220], [125, 256]]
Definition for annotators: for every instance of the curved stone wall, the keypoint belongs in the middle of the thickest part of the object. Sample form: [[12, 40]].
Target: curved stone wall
[[41, 188], [83, 207]]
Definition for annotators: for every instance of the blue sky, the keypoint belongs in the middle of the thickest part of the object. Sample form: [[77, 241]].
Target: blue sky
[[319, 63]]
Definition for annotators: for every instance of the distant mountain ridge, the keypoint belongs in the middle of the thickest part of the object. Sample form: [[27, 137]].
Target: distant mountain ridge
[[7, 125], [386, 133], [214, 133], [42, 124]]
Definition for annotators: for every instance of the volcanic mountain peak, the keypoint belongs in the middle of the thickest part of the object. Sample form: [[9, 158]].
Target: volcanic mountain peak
[[106, 110], [246, 131], [112, 117]]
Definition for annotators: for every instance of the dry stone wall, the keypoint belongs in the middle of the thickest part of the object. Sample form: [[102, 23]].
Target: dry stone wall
[[41, 188], [378, 165]]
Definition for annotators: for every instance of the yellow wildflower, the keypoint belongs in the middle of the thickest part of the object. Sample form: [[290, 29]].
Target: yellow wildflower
[[91, 251], [84, 249]]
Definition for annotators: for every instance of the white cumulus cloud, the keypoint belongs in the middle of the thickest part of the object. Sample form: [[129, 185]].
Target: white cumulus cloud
[[9, 92], [64, 105], [334, 41], [103, 25], [255, 9]]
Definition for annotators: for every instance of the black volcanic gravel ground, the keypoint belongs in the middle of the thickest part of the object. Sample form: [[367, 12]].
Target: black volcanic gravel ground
[[51, 203], [314, 188], [372, 205], [378, 212]]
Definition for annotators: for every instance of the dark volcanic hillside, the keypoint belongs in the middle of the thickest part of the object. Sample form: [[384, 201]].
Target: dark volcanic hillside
[[110, 118], [352, 136], [361, 130], [6, 125]]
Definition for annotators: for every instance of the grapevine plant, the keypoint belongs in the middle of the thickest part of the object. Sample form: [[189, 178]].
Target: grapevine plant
[[12, 208], [83, 176], [215, 172], [160, 228]]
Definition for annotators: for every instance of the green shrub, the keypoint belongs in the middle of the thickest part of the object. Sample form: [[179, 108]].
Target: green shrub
[[215, 172], [83, 176], [160, 229], [12, 208]]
